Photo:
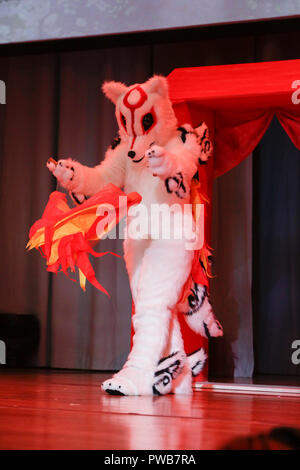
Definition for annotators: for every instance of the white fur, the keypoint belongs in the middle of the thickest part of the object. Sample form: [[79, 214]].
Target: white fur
[[157, 268], [156, 278]]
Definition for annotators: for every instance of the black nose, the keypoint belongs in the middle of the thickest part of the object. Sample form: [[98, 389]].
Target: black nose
[[131, 154]]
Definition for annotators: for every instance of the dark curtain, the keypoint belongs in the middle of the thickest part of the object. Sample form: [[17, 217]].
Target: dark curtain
[[276, 308], [55, 108], [232, 355], [276, 252], [27, 139]]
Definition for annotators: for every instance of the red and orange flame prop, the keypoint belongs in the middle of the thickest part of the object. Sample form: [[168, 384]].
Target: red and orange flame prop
[[65, 236]]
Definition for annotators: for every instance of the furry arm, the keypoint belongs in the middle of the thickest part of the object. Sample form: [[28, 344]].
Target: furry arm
[[173, 163], [85, 180]]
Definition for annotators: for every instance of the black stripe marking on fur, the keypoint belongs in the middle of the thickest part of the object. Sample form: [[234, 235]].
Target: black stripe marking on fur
[[207, 333], [155, 391], [193, 299], [199, 363], [166, 379], [194, 352], [184, 132], [167, 357], [167, 185], [115, 143], [114, 392], [76, 199], [175, 364], [203, 136]]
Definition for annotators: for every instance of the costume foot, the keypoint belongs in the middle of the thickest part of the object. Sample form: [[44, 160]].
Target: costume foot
[[196, 361], [167, 371], [129, 381], [183, 385]]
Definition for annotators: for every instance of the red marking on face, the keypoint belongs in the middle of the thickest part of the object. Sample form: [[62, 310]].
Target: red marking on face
[[133, 107], [140, 102]]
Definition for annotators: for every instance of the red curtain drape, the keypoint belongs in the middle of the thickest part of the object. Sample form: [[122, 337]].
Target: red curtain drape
[[238, 103], [244, 99]]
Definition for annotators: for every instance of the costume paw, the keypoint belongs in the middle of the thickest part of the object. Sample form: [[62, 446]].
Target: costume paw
[[129, 381], [155, 151], [68, 173], [168, 369], [160, 162], [116, 387], [63, 171]]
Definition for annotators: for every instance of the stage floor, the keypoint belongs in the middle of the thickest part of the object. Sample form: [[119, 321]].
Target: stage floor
[[43, 409]]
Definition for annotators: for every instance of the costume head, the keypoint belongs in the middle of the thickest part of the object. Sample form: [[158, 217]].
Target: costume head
[[144, 113]]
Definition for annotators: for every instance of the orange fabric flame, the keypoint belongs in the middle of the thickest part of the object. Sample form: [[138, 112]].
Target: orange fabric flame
[[65, 236]]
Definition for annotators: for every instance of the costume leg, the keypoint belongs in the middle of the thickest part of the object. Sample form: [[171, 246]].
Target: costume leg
[[174, 372], [134, 251], [156, 285]]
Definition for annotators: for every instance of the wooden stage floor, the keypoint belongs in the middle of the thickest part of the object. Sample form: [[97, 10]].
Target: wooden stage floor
[[43, 409]]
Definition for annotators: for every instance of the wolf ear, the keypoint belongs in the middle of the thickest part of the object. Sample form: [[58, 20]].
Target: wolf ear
[[113, 90], [157, 84]]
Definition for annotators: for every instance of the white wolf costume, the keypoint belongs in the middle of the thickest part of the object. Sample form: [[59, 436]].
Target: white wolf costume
[[155, 158]]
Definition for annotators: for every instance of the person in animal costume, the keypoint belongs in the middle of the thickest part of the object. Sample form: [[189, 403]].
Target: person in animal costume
[[158, 160]]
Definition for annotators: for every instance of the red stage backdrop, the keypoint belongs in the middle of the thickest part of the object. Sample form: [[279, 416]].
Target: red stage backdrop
[[237, 102]]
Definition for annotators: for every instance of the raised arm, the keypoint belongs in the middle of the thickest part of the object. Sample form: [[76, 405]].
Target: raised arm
[[86, 181], [176, 164]]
